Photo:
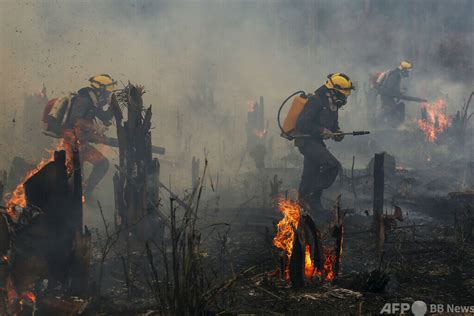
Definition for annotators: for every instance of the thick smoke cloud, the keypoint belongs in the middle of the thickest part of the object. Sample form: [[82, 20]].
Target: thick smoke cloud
[[235, 50]]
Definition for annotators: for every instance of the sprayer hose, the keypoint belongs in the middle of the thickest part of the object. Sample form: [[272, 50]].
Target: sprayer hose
[[283, 104]]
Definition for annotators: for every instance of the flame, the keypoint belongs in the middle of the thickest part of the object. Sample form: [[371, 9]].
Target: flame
[[287, 225], [83, 199], [329, 260], [310, 270], [286, 235], [308, 263], [30, 296], [18, 197], [436, 119]]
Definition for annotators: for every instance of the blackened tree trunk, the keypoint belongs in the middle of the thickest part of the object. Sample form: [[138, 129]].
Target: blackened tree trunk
[[136, 181]]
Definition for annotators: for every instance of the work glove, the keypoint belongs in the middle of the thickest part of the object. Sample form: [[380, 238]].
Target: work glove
[[338, 136], [326, 134]]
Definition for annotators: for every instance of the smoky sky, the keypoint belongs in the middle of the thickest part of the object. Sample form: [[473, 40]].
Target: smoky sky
[[237, 50]]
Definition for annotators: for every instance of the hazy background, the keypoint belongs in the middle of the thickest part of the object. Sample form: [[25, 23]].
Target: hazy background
[[202, 61]]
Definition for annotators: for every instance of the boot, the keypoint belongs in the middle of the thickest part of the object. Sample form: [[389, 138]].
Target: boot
[[312, 205]]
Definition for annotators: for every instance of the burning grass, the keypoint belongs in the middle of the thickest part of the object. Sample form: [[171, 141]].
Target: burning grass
[[435, 119]]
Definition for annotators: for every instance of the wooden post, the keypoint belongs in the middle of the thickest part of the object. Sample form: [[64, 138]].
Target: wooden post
[[378, 200]]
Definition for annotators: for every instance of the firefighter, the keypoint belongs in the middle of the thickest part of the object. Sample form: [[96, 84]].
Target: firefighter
[[389, 87], [79, 113], [319, 119]]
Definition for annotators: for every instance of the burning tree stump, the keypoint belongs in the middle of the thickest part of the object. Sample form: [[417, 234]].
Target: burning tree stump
[[50, 244], [307, 246], [136, 182], [303, 258]]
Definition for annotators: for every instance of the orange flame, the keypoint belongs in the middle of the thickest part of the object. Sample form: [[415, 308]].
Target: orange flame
[[287, 225], [436, 119], [329, 260], [310, 270], [18, 197], [30, 296], [286, 235]]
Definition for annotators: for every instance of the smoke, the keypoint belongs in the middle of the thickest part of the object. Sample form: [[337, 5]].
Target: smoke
[[234, 50]]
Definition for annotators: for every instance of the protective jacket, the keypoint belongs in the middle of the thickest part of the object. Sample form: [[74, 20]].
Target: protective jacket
[[86, 106], [315, 116], [320, 167], [391, 84]]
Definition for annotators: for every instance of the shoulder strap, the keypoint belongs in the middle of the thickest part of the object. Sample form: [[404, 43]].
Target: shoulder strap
[[94, 98]]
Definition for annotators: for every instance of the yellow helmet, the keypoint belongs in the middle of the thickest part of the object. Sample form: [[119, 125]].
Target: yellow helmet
[[405, 65], [102, 81], [340, 82]]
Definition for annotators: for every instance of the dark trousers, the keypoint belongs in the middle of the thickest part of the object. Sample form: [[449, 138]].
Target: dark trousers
[[320, 169], [393, 111]]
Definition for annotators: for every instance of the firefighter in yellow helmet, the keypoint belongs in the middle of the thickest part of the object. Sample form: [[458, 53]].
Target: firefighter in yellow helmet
[[81, 112], [319, 119], [389, 87], [87, 109], [89, 102]]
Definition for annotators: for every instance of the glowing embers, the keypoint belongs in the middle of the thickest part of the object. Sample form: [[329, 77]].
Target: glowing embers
[[434, 119]]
